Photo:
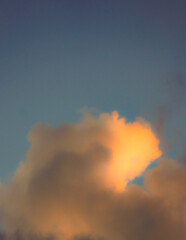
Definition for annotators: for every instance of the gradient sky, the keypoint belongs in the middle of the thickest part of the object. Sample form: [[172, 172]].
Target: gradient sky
[[57, 57]]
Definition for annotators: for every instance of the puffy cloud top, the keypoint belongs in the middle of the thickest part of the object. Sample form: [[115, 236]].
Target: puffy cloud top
[[72, 185]]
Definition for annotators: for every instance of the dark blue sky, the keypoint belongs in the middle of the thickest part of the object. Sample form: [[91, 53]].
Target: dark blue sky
[[57, 57]]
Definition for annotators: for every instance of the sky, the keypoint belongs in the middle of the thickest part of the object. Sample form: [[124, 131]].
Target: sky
[[59, 59], [60, 56]]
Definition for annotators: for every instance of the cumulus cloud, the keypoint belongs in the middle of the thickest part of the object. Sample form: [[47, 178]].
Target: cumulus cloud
[[73, 185]]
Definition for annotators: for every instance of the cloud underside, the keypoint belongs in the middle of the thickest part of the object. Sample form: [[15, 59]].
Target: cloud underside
[[73, 185]]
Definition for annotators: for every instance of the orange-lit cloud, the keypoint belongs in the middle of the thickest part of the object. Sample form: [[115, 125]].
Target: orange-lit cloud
[[133, 146], [71, 185]]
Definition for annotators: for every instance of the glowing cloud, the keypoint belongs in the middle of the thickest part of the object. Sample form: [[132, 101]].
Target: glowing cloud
[[71, 185], [133, 146]]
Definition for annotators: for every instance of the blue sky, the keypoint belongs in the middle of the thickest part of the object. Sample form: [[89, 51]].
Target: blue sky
[[57, 57]]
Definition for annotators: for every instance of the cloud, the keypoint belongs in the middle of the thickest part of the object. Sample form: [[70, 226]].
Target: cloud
[[173, 89], [73, 185]]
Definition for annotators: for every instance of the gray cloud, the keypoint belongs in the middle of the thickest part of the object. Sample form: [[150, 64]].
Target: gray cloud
[[173, 88]]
